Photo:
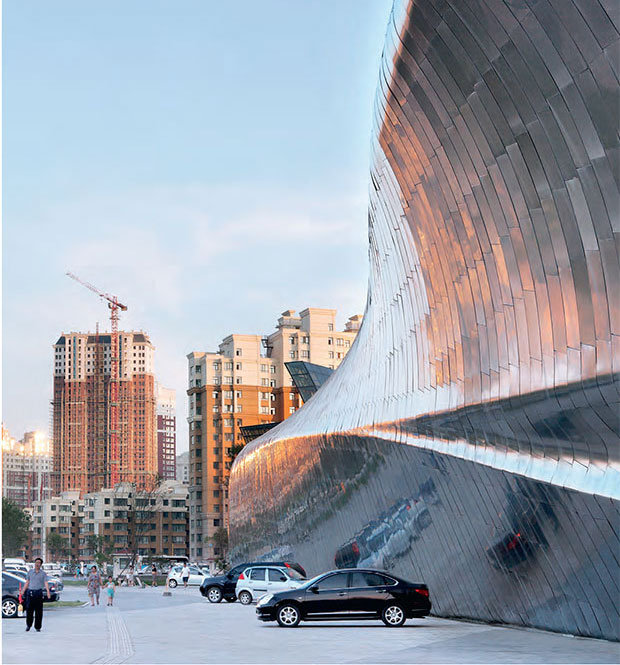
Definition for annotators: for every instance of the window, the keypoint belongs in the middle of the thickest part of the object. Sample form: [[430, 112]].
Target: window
[[237, 366], [237, 352], [273, 369], [238, 394], [292, 354], [330, 354], [305, 339], [264, 368], [198, 383], [238, 380], [215, 408], [258, 574], [228, 379], [291, 396], [291, 409], [305, 354], [216, 522], [368, 579], [215, 394], [291, 339], [264, 382], [339, 341], [228, 422], [275, 575], [228, 367], [330, 341], [228, 394], [238, 408], [216, 367], [330, 326], [347, 342], [337, 581]]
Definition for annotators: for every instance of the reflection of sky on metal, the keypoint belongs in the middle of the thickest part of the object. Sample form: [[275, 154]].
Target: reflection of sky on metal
[[487, 363]]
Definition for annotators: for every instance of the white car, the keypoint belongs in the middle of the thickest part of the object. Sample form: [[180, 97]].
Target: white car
[[196, 576], [255, 582]]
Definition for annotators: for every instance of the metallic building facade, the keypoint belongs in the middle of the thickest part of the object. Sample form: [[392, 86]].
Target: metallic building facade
[[470, 438]]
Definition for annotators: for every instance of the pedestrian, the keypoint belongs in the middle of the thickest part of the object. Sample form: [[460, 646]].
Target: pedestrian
[[154, 574], [94, 585], [36, 581], [130, 576], [110, 588], [185, 575]]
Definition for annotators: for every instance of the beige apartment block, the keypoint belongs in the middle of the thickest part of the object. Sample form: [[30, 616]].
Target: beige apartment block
[[131, 521], [246, 383]]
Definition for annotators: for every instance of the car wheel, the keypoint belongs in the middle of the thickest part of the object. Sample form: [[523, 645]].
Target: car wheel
[[172, 584], [9, 608], [230, 599], [214, 595], [393, 616], [288, 616], [245, 597]]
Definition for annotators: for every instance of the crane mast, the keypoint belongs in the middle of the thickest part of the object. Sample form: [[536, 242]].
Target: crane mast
[[113, 452]]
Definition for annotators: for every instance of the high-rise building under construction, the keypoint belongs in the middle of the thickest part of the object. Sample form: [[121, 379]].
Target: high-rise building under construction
[[84, 458]]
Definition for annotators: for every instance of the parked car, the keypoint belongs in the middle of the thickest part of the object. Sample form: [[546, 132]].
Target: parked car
[[19, 568], [52, 569], [196, 576], [254, 582], [11, 585], [224, 586], [346, 594]]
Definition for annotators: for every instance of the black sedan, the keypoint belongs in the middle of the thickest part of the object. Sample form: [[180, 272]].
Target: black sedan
[[356, 593], [12, 585]]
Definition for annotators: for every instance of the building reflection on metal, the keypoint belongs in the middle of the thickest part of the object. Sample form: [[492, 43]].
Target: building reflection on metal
[[470, 438], [307, 377]]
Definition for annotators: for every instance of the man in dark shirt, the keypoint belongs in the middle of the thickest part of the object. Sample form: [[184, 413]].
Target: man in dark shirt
[[36, 581]]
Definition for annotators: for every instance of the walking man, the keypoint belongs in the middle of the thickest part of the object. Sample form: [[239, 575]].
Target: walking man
[[185, 575], [36, 581]]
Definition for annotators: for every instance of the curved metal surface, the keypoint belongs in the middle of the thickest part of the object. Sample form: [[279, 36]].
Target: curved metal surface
[[470, 438]]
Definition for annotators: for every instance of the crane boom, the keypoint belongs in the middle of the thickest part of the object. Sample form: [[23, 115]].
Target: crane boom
[[101, 294], [114, 463]]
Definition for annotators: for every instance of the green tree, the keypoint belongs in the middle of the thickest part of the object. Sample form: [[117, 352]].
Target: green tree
[[57, 546], [15, 528], [220, 542], [101, 548]]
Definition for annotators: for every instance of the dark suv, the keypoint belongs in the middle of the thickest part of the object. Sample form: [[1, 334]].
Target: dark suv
[[223, 586]]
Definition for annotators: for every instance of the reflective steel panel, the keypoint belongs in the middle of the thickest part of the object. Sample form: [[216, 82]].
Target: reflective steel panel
[[470, 438]]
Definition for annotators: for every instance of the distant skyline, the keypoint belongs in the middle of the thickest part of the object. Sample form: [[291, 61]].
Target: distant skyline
[[206, 162]]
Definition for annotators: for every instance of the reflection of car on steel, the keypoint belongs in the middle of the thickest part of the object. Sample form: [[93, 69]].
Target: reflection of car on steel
[[382, 541], [347, 594], [224, 586]]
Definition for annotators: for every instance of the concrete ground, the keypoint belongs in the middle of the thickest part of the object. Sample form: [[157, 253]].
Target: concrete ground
[[146, 627]]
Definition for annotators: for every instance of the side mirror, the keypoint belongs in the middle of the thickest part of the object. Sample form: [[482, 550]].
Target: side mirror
[[314, 589], [283, 579]]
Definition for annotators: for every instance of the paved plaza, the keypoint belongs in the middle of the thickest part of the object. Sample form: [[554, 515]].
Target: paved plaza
[[146, 627]]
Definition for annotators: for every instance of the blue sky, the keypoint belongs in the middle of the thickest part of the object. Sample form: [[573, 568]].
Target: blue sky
[[205, 161]]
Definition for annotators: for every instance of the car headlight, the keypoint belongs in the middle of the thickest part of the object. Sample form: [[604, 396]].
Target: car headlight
[[264, 600]]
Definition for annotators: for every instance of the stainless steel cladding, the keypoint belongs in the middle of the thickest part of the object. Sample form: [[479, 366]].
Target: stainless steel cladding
[[470, 438]]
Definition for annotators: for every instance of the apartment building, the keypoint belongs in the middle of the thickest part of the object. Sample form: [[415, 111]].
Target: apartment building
[[26, 468], [166, 413], [148, 523], [60, 515], [183, 467], [246, 383], [81, 407]]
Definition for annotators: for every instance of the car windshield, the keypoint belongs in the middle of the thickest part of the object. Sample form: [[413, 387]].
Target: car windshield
[[314, 580], [294, 575]]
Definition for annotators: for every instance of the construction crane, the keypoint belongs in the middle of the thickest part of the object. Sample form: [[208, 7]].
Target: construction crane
[[113, 461]]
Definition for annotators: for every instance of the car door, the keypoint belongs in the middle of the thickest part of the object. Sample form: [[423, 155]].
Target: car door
[[195, 575], [278, 580], [327, 596], [368, 592], [258, 581]]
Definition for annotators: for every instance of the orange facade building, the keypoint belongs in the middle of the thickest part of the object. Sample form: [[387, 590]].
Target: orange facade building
[[81, 410]]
